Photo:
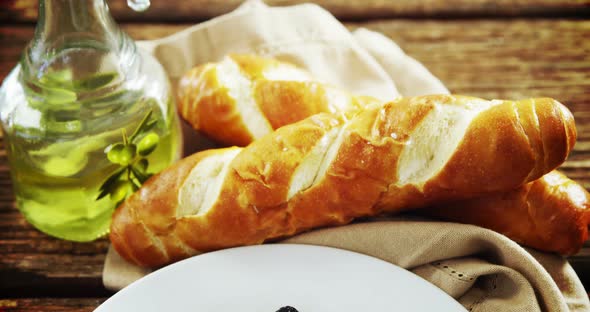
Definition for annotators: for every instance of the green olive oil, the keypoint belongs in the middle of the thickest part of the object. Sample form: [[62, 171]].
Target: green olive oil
[[86, 117], [69, 173]]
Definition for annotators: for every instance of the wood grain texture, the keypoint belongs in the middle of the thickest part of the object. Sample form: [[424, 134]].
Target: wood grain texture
[[508, 59], [197, 10], [50, 304]]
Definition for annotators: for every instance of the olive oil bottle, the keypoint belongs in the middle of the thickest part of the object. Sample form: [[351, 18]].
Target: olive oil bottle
[[86, 119]]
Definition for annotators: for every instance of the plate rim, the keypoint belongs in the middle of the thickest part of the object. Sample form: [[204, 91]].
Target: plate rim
[[173, 266]]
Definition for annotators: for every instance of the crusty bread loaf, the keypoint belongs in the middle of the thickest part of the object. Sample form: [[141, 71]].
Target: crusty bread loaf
[[329, 169], [245, 97], [285, 94], [549, 214]]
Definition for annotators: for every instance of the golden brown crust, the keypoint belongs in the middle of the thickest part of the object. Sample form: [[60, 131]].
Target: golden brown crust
[[207, 106], [286, 102], [522, 152], [542, 125], [205, 103], [550, 214], [351, 187], [253, 66], [151, 212], [516, 160], [511, 162], [254, 204]]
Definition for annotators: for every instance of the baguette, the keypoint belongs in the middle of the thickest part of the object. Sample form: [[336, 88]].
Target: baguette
[[245, 97], [329, 169], [285, 94], [549, 214]]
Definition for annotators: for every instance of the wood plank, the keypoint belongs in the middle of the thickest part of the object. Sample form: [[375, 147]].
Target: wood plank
[[197, 10], [50, 304], [34, 264], [487, 58]]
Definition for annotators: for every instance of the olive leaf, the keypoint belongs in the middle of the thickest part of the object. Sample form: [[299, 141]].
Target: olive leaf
[[141, 165], [136, 183], [121, 189], [142, 177], [109, 184], [142, 126]]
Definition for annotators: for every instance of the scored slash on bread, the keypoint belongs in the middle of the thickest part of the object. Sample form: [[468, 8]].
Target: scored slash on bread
[[330, 168]]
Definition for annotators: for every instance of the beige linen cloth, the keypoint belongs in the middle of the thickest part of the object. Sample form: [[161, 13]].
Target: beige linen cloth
[[481, 269]]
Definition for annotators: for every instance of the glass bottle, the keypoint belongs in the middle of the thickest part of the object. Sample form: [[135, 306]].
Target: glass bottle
[[86, 117]]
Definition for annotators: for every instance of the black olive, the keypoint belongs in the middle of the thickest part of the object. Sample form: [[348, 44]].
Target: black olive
[[287, 309]]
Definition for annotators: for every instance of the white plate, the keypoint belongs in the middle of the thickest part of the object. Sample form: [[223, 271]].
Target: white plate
[[267, 277]]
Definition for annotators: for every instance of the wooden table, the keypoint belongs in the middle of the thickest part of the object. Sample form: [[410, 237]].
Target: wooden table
[[510, 49]]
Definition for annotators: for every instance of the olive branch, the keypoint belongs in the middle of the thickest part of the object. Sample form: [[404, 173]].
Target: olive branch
[[130, 156]]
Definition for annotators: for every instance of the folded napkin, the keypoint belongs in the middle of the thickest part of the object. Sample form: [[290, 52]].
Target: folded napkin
[[483, 270]]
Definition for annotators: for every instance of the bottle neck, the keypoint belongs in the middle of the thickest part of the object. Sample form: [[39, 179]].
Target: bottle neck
[[82, 17], [67, 25]]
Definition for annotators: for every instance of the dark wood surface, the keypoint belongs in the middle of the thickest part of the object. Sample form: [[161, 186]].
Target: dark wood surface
[[472, 46], [194, 10]]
